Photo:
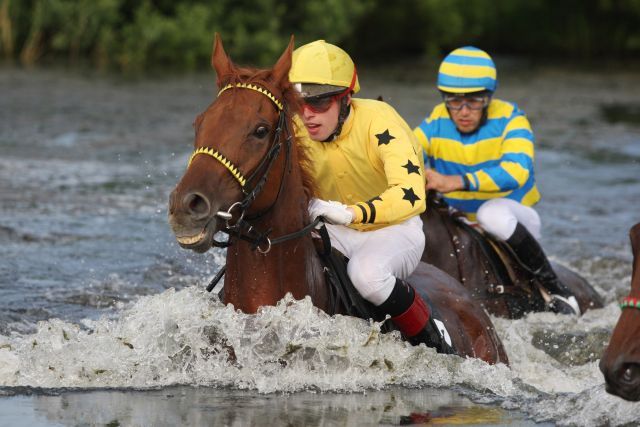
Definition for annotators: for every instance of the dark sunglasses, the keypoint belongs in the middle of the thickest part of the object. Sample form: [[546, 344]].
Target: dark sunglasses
[[321, 104]]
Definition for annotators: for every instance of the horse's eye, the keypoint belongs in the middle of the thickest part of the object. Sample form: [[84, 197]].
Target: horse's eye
[[261, 131]]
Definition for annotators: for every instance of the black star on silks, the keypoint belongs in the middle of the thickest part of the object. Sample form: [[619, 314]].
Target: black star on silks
[[411, 168], [410, 196], [385, 137]]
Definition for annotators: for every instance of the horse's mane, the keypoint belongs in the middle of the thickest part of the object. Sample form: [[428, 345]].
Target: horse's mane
[[293, 105]]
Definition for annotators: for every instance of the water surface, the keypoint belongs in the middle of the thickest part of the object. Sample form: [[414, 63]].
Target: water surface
[[104, 321]]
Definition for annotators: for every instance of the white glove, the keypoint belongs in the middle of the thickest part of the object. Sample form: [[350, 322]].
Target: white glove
[[333, 212]]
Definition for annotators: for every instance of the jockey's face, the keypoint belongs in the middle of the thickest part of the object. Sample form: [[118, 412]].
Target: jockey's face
[[321, 125], [466, 111], [466, 120]]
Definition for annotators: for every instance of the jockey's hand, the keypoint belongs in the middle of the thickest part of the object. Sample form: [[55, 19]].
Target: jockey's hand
[[332, 212], [443, 183]]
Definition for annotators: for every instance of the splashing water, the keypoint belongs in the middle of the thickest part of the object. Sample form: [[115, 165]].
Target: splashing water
[[95, 179], [189, 338]]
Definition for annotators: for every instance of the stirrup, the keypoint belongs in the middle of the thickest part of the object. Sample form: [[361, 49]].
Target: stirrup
[[434, 335], [564, 305]]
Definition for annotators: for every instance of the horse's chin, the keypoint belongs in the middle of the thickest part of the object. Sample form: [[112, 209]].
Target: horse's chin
[[630, 394]]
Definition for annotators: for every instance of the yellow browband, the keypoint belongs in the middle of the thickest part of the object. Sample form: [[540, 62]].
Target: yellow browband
[[219, 157], [251, 86]]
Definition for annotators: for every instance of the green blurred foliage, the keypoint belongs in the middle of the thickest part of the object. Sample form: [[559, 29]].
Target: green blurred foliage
[[143, 35], [584, 29], [163, 34]]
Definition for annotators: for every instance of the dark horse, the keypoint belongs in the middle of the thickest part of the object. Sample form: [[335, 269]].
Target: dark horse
[[488, 269], [620, 362], [246, 177]]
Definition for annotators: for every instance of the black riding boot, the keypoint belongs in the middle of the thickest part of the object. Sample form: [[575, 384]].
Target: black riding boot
[[530, 255], [414, 319]]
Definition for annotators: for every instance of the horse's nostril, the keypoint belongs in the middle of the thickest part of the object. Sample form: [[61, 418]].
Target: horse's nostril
[[197, 205], [628, 373]]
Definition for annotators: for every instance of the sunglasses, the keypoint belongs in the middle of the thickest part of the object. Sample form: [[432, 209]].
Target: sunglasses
[[456, 102], [321, 104]]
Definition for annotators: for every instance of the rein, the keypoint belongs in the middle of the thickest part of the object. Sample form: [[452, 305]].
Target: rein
[[630, 302], [256, 242]]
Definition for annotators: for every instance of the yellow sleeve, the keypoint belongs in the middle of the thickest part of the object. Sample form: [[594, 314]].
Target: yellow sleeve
[[404, 197]]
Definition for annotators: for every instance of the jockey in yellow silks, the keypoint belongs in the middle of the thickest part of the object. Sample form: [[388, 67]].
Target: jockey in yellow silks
[[480, 153], [368, 169]]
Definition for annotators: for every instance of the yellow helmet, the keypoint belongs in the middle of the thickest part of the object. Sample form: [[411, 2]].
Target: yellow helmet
[[322, 69]]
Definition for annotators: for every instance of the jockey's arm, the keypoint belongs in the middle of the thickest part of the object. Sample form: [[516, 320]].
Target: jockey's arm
[[405, 195]]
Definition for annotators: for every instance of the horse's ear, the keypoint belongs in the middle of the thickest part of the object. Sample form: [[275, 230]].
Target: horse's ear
[[220, 60], [282, 67]]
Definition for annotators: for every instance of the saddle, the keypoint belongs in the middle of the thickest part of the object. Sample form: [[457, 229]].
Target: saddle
[[517, 286], [342, 292]]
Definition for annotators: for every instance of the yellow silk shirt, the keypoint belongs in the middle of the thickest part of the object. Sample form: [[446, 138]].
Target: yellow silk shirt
[[375, 166]]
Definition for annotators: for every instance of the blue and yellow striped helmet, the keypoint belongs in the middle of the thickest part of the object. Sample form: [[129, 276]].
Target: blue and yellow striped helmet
[[467, 69]]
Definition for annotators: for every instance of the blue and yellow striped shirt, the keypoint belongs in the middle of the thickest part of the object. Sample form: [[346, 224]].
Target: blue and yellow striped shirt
[[497, 159]]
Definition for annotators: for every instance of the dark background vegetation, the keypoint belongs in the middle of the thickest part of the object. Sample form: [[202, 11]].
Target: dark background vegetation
[[169, 35]]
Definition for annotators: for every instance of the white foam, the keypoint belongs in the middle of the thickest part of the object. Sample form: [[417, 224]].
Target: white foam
[[189, 337]]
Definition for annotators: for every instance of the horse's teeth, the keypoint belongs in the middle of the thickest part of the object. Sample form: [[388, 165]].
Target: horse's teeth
[[191, 240]]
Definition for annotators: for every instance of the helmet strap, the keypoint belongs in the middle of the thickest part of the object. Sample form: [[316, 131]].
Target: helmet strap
[[485, 114], [345, 108], [485, 110]]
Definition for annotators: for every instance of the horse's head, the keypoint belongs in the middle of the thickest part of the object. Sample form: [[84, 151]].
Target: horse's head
[[620, 362], [237, 141]]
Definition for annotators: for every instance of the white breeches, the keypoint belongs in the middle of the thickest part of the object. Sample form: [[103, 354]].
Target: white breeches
[[377, 257], [499, 217]]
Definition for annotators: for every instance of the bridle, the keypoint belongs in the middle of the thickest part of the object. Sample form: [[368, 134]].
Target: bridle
[[241, 228], [630, 302], [265, 165]]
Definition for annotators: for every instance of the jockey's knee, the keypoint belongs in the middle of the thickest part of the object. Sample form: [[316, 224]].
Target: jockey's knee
[[496, 219], [372, 281]]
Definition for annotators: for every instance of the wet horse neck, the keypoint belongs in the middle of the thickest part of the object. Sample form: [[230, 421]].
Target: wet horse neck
[[254, 279]]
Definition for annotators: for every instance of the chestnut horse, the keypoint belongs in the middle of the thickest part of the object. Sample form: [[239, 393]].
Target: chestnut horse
[[246, 177], [488, 269], [620, 362]]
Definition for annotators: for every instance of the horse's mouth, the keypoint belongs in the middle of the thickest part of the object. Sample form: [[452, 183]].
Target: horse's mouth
[[192, 240], [198, 241]]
